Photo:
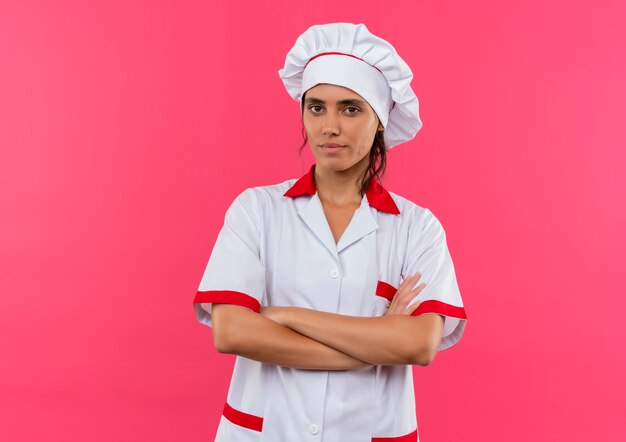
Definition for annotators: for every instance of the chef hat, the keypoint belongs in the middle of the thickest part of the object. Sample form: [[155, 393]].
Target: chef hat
[[347, 54]]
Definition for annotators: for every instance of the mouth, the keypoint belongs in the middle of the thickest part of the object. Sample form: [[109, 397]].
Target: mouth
[[332, 147]]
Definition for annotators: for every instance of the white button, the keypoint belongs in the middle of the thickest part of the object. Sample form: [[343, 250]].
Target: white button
[[314, 429], [334, 273]]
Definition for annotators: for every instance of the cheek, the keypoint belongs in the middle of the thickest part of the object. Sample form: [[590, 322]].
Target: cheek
[[368, 132], [309, 128], [366, 139]]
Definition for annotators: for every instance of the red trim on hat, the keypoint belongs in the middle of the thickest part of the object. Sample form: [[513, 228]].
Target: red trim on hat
[[434, 306], [377, 196], [411, 437], [227, 297], [242, 419], [385, 290], [339, 53]]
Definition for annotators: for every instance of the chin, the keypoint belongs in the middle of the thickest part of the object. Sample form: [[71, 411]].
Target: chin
[[334, 164]]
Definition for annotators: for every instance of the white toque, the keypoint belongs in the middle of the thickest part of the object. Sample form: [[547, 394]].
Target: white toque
[[348, 55]]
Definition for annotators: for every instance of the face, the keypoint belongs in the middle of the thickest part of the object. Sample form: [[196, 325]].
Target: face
[[340, 126]]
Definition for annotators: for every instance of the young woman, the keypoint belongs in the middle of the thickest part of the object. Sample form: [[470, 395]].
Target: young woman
[[329, 288]]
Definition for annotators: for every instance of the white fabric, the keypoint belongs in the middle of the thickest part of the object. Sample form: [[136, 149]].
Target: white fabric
[[236, 248], [354, 74], [403, 121], [280, 251]]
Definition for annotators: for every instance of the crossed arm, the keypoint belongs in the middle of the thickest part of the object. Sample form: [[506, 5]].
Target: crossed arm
[[310, 339]]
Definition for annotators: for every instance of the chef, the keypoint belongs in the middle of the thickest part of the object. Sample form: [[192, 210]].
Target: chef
[[329, 287]]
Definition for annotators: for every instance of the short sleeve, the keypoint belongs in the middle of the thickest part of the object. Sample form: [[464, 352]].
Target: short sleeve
[[428, 254], [234, 273]]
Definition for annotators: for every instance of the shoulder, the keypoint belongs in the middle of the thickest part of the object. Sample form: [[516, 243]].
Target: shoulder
[[273, 192], [411, 212], [258, 197], [417, 220], [422, 227]]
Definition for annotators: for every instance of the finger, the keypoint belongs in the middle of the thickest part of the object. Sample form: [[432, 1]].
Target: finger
[[405, 282], [416, 277], [419, 288], [410, 294], [410, 278], [404, 294], [408, 283], [411, 308]]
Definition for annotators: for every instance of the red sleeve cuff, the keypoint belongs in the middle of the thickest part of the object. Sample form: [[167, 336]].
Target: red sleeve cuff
[[227, 297], [434, 306], [388, 291]]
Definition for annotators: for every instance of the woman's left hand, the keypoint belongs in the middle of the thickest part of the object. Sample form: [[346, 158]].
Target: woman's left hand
[[405, 294]]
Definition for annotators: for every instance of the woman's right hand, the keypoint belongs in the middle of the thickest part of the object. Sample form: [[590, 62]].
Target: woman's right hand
[[404, 295]]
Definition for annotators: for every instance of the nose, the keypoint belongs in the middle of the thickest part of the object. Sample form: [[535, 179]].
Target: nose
[[331, 124]]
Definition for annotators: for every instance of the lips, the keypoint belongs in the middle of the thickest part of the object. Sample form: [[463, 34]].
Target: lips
[[332, 148]]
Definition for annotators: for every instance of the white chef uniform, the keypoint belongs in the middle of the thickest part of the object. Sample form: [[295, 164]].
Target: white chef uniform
[[276, 249]]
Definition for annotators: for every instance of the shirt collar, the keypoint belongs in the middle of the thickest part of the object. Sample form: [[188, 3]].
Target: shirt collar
[[377, 195]]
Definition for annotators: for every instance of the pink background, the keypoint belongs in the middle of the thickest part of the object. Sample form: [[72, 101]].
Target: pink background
[[127, 128]]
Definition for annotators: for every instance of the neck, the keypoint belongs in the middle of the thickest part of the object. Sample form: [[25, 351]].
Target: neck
[[340, 188]]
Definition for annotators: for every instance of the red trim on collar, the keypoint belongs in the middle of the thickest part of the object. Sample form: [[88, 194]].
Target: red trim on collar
[[304, 186], [377, 196]]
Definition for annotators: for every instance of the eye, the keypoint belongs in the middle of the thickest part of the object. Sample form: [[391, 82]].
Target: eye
[[311, 108], [356, 110]]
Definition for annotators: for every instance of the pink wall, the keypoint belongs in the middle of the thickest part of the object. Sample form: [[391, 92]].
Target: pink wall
[[122, 146]]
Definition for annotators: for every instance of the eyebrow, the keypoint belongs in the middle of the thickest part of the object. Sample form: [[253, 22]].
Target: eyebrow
[[352, 101]]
